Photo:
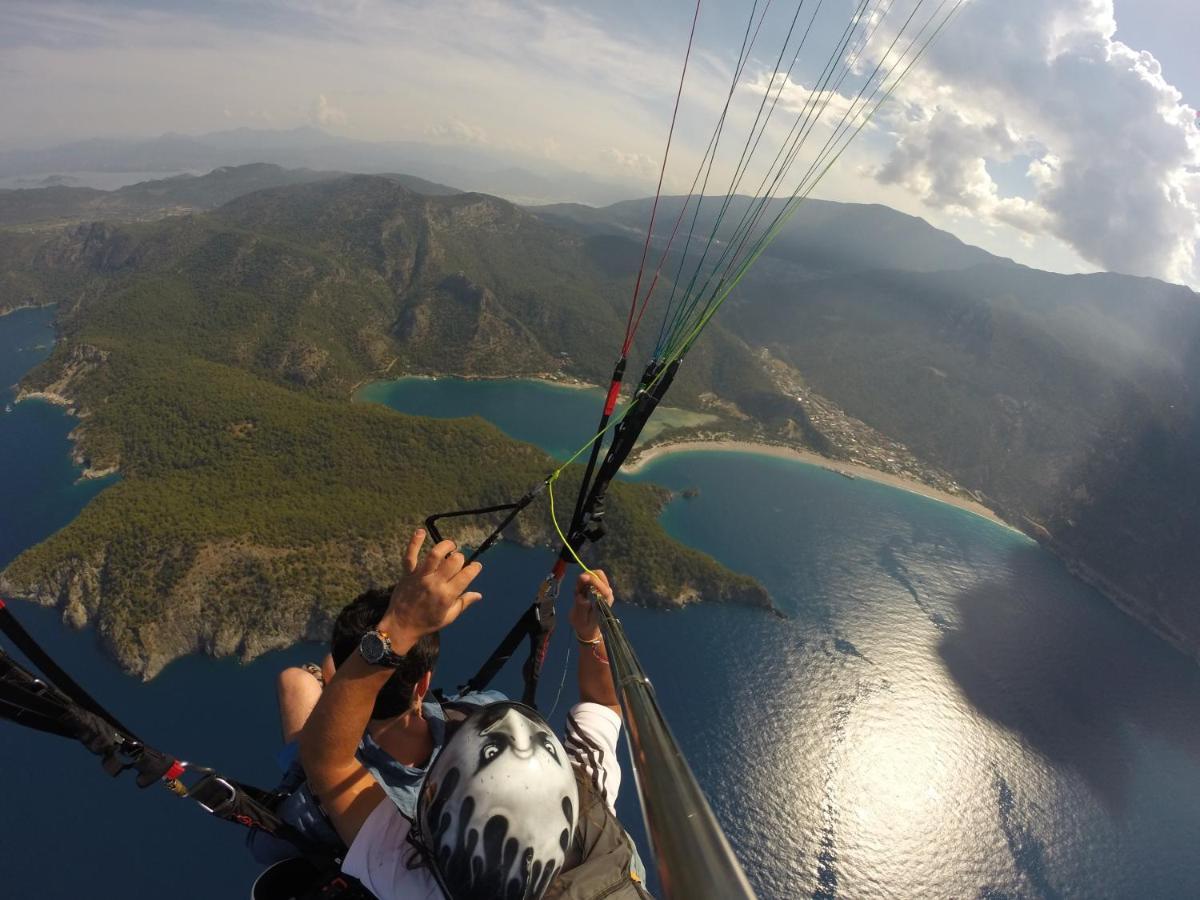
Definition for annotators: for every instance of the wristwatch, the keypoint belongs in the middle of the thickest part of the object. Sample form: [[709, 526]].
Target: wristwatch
[[376, 648]]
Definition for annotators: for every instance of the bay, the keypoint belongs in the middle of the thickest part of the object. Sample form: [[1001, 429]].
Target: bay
[[521, 407], [944, 713]]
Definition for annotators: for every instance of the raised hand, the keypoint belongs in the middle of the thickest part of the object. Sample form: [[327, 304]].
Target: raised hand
[[434, 592], [583, 612]]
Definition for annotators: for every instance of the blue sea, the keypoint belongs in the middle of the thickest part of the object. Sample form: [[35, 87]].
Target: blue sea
[[943, 713]]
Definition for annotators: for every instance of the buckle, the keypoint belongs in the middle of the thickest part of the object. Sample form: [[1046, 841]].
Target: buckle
[[219, 808]]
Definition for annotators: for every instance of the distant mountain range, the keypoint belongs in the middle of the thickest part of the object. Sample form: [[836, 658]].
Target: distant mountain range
[[477, 167], [1071, 404], [59, 204], [823, 237]]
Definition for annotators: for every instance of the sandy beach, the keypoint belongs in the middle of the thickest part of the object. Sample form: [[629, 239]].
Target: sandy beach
[[858, 471]]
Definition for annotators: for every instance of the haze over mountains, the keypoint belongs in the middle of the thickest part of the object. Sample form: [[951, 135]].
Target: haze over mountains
[[59, 204], [1072, 403], [516, 176]]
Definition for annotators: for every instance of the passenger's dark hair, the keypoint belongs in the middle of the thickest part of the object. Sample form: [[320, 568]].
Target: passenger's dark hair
[[356, 619]]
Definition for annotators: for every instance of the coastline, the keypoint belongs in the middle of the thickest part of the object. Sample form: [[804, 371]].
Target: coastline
[[46, 397], [541, 378], [647, 456], [8, 310]]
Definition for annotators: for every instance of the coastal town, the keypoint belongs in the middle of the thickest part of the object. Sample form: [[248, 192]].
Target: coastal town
[[850, 447]]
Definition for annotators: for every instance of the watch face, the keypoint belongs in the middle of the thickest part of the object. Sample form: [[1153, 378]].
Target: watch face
[[371, 647]]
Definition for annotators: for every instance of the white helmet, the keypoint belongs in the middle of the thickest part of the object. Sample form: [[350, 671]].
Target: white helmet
[[499, 805]]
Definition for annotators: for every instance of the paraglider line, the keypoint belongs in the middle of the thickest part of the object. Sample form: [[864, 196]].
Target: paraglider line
[[629, 324]]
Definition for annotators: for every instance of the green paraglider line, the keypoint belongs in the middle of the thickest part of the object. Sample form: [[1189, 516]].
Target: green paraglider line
[[631, 323], [691, 297], [806, 120], [680, 348], [806, 186], [709, 158]]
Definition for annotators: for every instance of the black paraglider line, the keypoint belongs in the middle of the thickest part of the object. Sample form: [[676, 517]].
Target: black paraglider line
[[56, 704], [693, 298], [806, 186], [632, 324], [710, 154]]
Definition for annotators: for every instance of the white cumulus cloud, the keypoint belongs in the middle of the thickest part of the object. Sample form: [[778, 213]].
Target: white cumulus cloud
[[1115, 151]]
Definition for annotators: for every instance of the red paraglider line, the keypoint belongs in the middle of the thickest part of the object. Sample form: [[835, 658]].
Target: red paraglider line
[[630, 327]]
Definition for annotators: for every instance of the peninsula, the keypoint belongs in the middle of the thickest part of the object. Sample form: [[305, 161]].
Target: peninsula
[[203, 341]]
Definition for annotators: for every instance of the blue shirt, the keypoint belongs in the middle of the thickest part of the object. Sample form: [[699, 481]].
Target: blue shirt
[[401, 784]]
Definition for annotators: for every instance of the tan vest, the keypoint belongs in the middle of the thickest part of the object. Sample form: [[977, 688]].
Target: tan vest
[[600, 861]]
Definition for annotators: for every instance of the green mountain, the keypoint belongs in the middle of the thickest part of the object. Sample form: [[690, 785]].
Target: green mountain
[[1068, 403], [211, 359], [1071, 404], [60, 205], [822, 237]]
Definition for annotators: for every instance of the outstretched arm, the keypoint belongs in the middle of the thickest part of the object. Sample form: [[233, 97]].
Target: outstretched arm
[[595, 676], [428, 599]]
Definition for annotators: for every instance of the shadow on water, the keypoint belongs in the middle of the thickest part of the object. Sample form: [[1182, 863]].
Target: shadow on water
[[894, 567], [1028, 851], [1068, 675]]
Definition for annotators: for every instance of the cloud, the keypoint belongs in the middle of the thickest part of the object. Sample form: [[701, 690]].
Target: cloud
[[944, 160], [828, 106], [1030, 91], [1116, 152], [322, 112], [639, 164], [458, 132]]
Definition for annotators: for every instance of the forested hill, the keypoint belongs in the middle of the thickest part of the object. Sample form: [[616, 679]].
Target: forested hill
[[211, 359], [57, 205], [822, 238], [1070, 403]]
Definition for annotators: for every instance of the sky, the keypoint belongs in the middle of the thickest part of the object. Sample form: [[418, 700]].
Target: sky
[[1061, 133]]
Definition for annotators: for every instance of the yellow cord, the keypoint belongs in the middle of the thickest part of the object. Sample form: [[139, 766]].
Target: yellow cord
[[558, 528]]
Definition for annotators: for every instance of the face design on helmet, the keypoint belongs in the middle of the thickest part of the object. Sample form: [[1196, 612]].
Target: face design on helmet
[[498, 807], [519, 736]]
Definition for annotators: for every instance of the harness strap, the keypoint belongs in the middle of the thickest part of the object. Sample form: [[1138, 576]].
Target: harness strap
[[587, 524], [544, 608], [653, 387], [521, 629], [610, 404], [15, 712], [24, 641], [535, 624], [45, 706]]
